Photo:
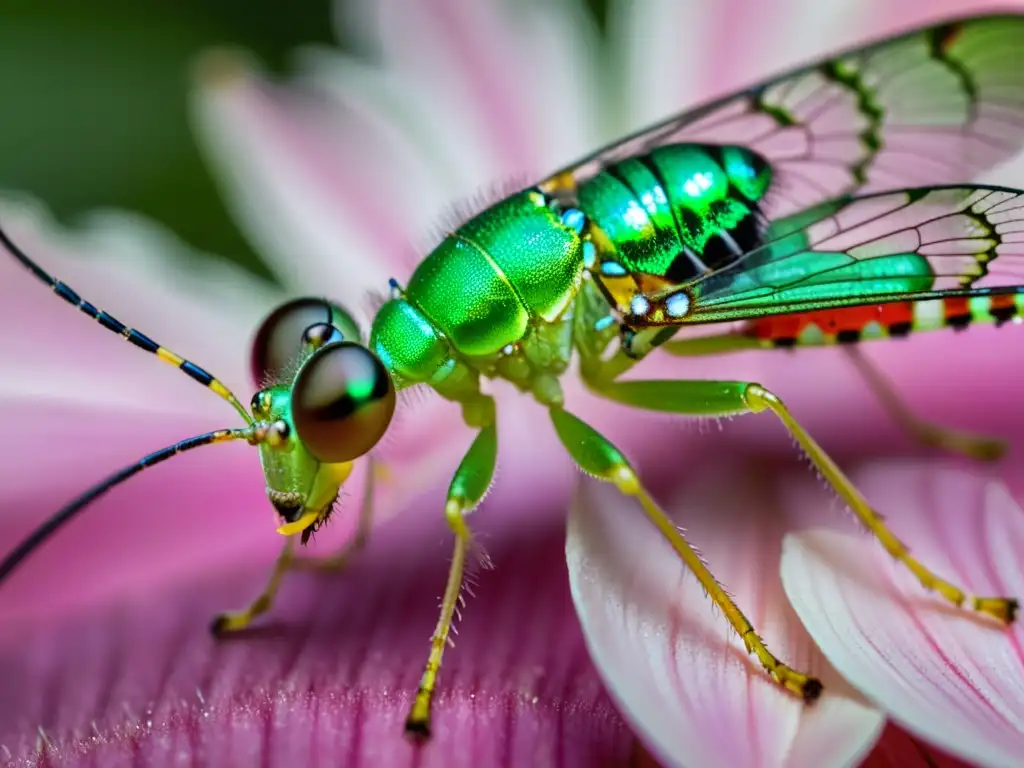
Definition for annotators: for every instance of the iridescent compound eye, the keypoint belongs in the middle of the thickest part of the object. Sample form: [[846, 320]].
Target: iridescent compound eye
[[294, 329], [342, 402]]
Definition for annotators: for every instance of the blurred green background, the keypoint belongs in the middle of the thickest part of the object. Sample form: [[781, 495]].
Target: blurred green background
[[95, 102]]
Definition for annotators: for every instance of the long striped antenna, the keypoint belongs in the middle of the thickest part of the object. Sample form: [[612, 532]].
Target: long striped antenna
[[111, 323], [64, 515]]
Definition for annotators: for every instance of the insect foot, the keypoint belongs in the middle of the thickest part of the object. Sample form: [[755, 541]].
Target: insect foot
[[1003, 608]]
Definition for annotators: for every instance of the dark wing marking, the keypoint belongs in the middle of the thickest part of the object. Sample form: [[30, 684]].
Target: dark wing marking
[[910, 244], [938, 105]]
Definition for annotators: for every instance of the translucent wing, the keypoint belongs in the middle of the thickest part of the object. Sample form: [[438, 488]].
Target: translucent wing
[[893, 246], [938, 105]]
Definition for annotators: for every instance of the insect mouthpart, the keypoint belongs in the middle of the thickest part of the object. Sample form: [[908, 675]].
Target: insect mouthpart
[[291, 507], [288, 505]]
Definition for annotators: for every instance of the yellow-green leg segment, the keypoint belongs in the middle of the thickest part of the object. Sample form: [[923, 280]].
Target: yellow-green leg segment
[[236, 621], [978, 447], [724, 398], [340, 560], [468, 487], [596, 456]]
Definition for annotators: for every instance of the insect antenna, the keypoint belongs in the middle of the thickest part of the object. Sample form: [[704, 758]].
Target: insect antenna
[[111, 323], [65, 514]]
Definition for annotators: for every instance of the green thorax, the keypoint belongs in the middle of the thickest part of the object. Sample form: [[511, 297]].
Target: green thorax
[[663, 213], [494, 292]]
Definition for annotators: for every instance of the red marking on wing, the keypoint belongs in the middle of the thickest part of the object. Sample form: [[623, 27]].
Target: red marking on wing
[[956, 307], [1002, 302], [832, 321]]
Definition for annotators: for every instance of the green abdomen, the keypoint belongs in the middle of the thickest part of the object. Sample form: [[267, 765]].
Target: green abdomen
[[664, 213], [478, 291]]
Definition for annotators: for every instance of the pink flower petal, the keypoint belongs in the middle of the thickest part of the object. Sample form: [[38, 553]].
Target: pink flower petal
[[359, 164], [662, 51], [84, 402], [559, 64], [316, 214], [428, 162], [158, 527], [151, 531], [673, 664], [898, 749], [908, 13], [329, 677], [416, 171], [470, 49], [929, 371], [674, 56], [955, 680], [206, 311]]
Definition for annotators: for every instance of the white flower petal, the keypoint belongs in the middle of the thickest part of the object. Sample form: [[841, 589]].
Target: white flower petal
[[490, 94], [472, 48], [559, 66], [953, 678], [662, 53], [305, 205], [416, 175], [677, 669]]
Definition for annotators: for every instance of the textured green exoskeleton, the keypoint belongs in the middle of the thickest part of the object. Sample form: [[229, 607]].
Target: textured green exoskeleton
[[663, 213], [494, 298]]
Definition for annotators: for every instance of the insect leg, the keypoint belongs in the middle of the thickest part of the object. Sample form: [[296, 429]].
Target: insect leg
[[724, 398], [977, 447], [236, 621], [470, 483], [340, 559], [595, 455], [716, 344]]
